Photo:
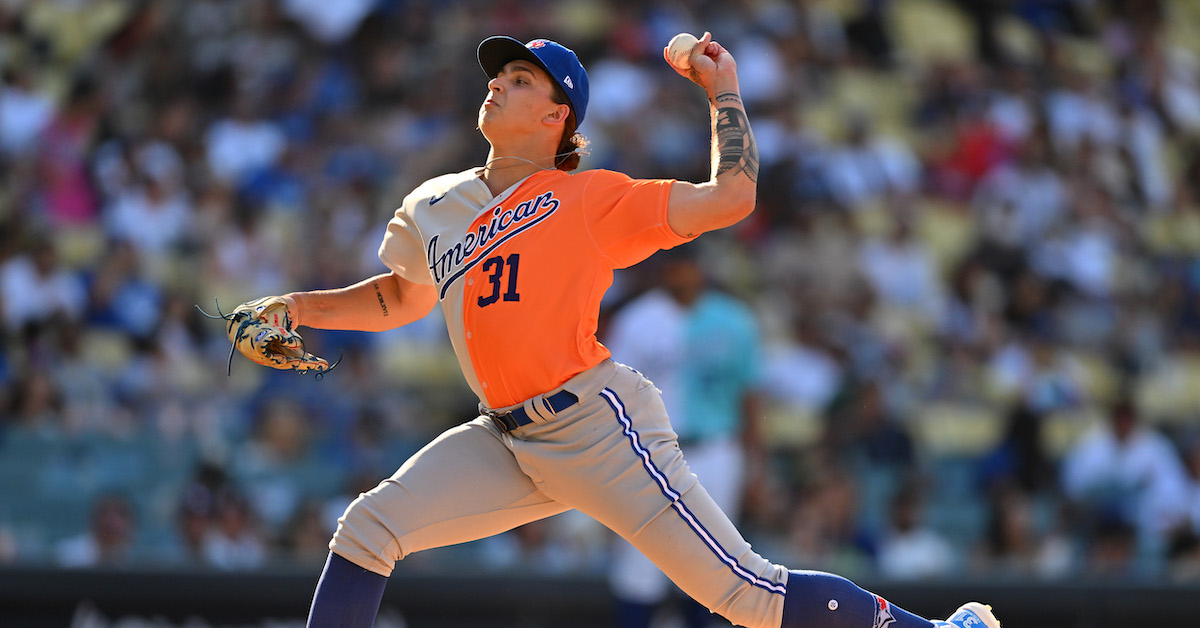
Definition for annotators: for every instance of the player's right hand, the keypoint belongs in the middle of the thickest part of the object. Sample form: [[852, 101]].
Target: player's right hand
[[712, 66]]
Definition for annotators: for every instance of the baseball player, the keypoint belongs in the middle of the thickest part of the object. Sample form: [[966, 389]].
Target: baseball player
[[518, 253]]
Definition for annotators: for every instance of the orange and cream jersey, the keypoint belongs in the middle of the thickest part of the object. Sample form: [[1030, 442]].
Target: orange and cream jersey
[[521, 275]]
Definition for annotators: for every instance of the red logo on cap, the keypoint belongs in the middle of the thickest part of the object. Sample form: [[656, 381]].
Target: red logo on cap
[[537, 43]]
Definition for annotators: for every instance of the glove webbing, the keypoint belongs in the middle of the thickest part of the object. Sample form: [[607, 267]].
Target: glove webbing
[[318, 375]]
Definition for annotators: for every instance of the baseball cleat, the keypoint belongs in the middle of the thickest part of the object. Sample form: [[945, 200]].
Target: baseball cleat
[[971, 615]]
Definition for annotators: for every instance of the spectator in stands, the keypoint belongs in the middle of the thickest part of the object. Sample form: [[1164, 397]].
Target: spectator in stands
[[1128, 477], [802, 372], [1169, 82], [909, 549], [24, 112], [35, 288], [1020, 461], [1111, 543], [824, 528], [278, 465], [235, 541], [121, 297], [1183, 547], [153, 215], [1184, 556], [65, 194], [305, 537], [1191, 462], [902, 272], [1017, 203], [243, 252], [1012, 107], [108, 540], [973, 149], [1040, 373], [1077, 111], [119, 164], [36, 402], [195, 513], [242, 143], [1016, 544], [329, 22], [82, 385], [1086, 255], [869, 169], [864, 427]]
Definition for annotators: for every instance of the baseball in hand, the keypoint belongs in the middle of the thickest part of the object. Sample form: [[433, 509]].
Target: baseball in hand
[[680, 50]]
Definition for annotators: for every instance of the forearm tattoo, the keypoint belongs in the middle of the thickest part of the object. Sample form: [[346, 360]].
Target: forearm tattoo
[[736, 148], [379, 295]]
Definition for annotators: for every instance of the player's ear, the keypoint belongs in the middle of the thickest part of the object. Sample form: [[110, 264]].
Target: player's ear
[[558, 114]]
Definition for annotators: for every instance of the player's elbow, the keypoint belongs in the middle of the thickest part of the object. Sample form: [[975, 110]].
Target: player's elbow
[[744, 204], [415, 300], [423, 299]]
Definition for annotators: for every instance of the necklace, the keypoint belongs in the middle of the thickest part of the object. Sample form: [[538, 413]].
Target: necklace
[[489, 166], [558, 159]]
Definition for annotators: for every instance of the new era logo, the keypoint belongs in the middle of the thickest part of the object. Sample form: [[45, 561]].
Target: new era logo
[[537, 43], [567, 80]]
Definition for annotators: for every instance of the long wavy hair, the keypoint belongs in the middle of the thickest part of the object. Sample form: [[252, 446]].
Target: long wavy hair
[[573, 144]]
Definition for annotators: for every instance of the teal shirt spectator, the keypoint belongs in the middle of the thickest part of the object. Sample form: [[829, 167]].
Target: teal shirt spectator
[[722, 357], [705, 358]]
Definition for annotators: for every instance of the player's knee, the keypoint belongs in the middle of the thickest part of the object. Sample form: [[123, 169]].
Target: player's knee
[[363, 537]]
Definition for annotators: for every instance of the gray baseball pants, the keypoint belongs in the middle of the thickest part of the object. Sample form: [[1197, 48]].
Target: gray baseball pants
[[613, 456]]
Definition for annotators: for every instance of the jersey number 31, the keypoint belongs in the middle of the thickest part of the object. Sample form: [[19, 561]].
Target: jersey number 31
[[495, 267]]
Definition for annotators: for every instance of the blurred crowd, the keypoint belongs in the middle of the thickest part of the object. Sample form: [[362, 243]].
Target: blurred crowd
[[974, 263]]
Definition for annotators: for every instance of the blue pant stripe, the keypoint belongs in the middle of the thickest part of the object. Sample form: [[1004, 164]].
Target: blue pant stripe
[[677, 500]]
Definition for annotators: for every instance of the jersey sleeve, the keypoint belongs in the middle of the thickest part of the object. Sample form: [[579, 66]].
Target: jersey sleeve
[[627, 217], [402, 250]]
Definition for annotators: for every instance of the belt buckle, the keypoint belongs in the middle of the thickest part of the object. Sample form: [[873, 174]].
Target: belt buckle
[[503, 420]]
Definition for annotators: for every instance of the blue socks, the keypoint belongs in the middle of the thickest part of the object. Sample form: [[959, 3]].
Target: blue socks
[[822, 600], [347, 596]]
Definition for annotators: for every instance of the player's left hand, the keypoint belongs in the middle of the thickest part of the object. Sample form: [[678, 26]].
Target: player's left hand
[[262, 331]]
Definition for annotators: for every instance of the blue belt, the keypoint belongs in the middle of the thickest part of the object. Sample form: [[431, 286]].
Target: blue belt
[[517, 417]]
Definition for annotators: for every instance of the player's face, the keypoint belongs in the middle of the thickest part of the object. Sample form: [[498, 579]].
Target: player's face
[[519, 101]]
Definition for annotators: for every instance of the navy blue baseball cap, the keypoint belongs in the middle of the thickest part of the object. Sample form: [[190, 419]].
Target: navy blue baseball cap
[[557, 60]]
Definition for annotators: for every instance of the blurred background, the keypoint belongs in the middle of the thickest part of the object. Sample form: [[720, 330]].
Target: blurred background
[[973, 268]]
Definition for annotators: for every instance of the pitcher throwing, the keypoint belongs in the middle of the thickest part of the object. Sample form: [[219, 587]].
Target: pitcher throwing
[[518, 253]]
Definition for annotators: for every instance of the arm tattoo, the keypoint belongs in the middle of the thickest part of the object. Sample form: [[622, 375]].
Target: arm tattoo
[[379, 295], [736, 148]]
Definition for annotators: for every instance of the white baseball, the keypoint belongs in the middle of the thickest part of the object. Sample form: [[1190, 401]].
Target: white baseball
[[679, 51]]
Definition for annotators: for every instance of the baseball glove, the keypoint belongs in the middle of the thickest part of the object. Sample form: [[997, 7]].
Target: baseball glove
[[262, 331]]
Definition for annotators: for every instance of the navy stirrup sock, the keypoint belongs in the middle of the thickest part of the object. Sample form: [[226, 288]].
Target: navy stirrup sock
[[823, 600], [347, 596]]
